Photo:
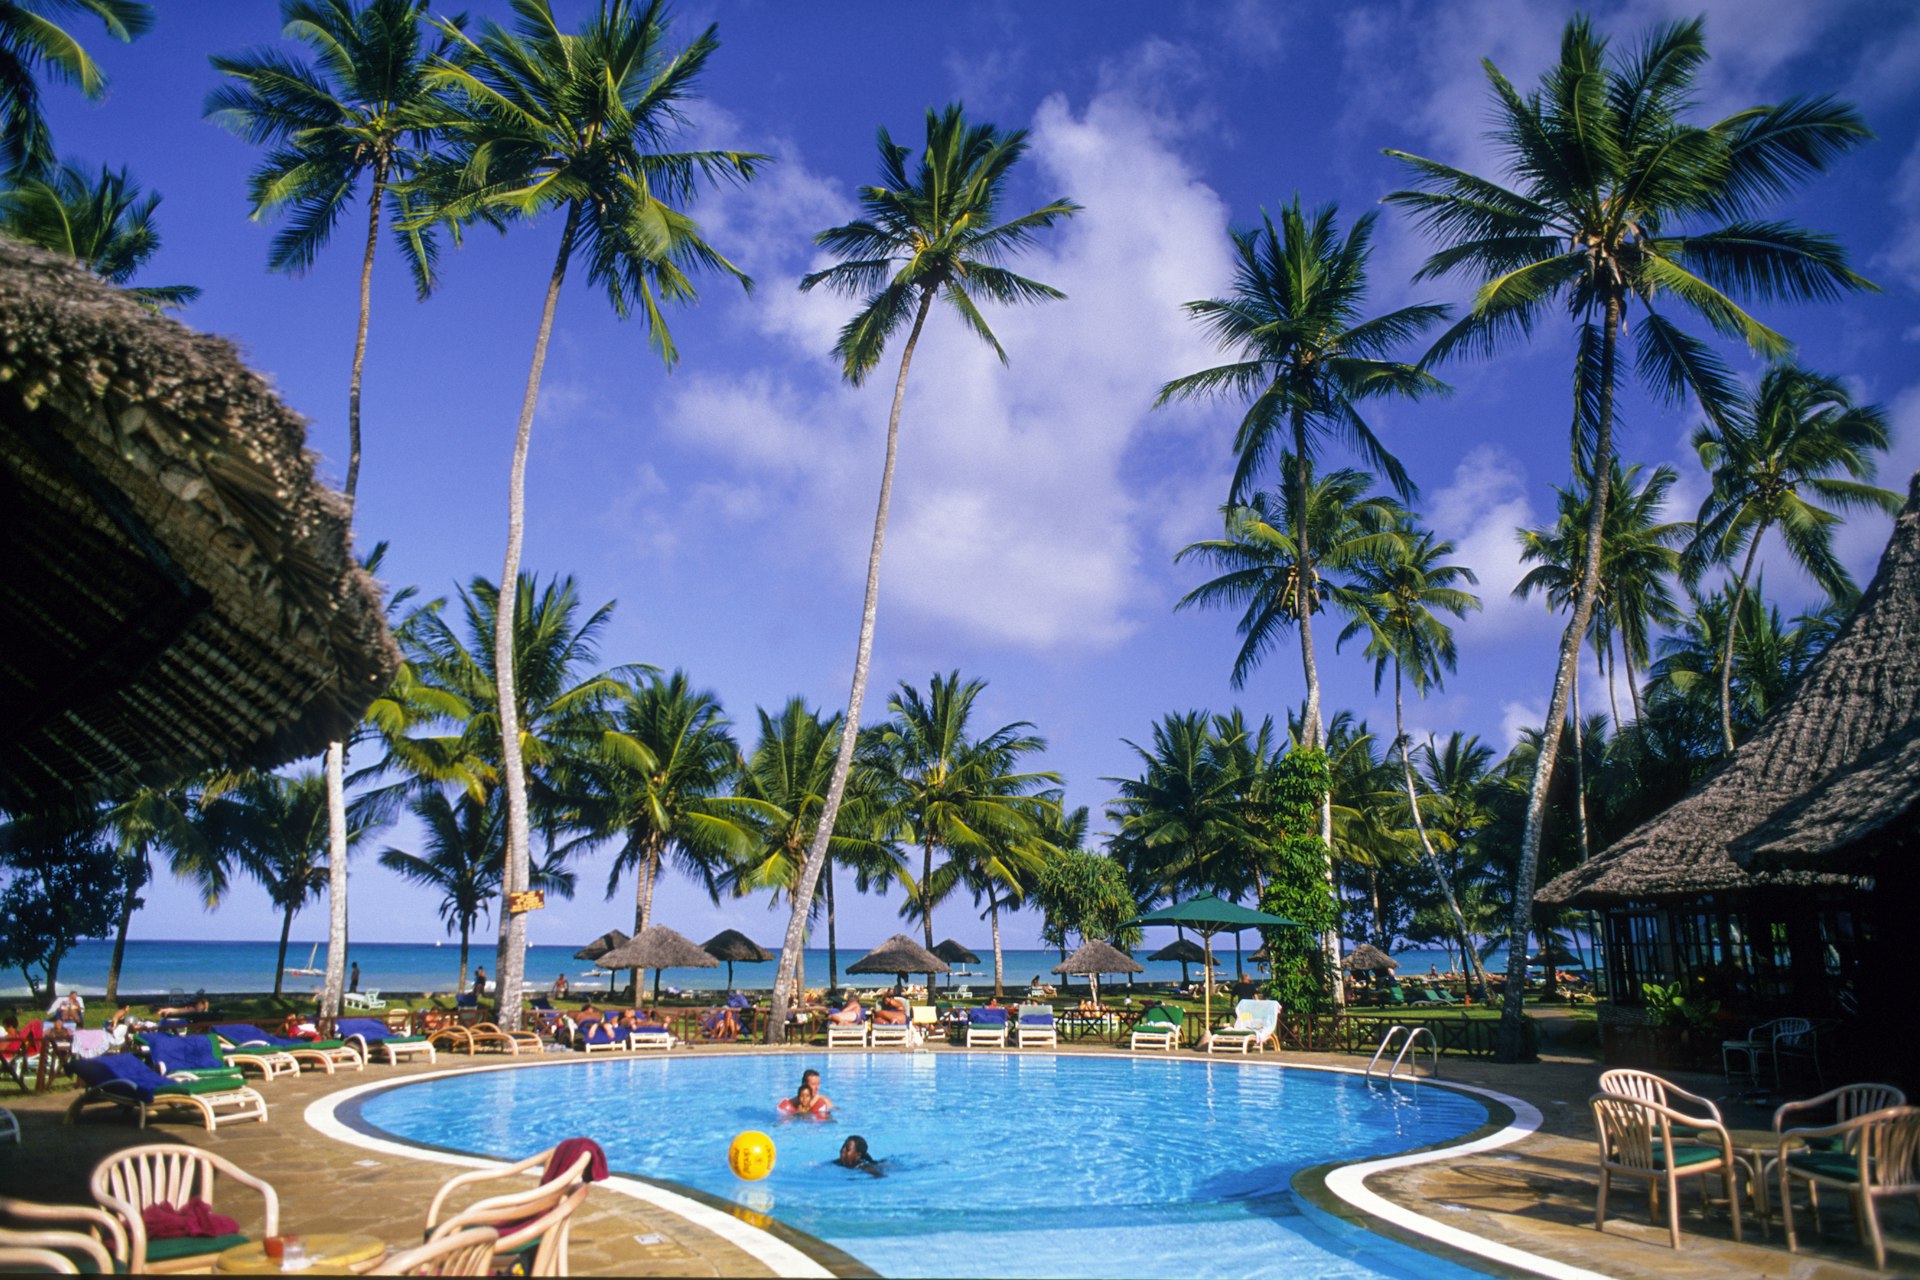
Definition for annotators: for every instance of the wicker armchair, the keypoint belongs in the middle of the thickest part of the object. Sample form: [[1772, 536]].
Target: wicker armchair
[[1638, 1140]]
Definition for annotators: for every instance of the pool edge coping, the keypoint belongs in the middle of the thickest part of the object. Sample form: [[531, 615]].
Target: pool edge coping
[[783, 1249], [788, 1251]]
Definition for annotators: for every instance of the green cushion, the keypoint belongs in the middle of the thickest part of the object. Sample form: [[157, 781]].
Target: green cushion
[[252, 1051], [1685, 1156], [404, 1040], [218, 1084], [1841, 1165], [320, 1044], [190, 1246]]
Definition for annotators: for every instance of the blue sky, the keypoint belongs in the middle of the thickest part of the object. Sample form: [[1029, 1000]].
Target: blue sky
[[726, 506]]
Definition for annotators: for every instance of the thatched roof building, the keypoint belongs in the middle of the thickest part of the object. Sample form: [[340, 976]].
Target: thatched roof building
[[1831, 778], [180, 592]]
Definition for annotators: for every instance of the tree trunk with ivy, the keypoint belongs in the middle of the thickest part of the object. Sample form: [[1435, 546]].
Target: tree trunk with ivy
[[1303, 981]]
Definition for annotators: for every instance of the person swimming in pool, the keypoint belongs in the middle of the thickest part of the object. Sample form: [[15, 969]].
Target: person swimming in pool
[[810, 1079], [854, 1155]]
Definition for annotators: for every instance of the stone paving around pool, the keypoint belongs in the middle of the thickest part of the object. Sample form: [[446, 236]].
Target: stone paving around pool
[[1535, 1195]]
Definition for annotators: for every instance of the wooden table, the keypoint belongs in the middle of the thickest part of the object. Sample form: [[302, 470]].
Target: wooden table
[[327, 1253], [1754, 1147]]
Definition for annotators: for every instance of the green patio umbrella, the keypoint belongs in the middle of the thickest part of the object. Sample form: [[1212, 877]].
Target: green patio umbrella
[[1207, 916]]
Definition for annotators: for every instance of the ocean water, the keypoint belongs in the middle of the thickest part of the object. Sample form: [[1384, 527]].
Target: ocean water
[[188, 965]]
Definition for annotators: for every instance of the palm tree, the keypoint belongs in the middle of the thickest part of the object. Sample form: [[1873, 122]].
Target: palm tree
[[556, 122], [1773, 463], [555, 699], [147, 821], [1307, 361], [658, 779], [104, 223], [944, 789], [1604, 169], [1004, 870], [465, 851], [30, 40], [1637, 556], [274, 829], [364, 110], [1404, 589], [932, 233], [1769, 654], [787, 774], [1281, 555], [1184, 823]]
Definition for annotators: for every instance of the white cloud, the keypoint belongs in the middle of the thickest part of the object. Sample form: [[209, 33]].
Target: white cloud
[[1479, 512], [1516, 718], [1902, 252], [1017, 514]]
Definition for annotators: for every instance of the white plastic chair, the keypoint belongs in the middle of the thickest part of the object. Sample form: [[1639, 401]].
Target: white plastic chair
[[129, 1182], [460, 1253]]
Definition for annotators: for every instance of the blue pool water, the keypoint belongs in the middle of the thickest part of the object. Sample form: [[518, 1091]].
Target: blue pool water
[[996, 1165]]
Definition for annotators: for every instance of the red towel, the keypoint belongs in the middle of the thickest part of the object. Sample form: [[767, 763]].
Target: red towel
[[568, 1153], [194, 1218]]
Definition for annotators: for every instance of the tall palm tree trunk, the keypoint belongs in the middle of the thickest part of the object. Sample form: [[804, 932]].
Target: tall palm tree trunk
[[783, 982], [510, 965], [1511, 1039], [643, 906], [833, 941], [1726, 648], [999, 960], [337, 751], [280, 965], [1580, 770], [1633, 681], [1475, 970], [466, 931], [1303, 604], [1613, 691], [926, 901], [141, 874]]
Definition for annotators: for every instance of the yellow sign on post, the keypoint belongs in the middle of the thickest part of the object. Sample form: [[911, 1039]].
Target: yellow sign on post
[[531, 900]]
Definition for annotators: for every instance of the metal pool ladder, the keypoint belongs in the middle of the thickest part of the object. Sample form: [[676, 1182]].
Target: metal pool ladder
[[1408, 1040]]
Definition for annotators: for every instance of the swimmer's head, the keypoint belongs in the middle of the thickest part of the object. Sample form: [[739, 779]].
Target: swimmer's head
[[853, 1151], [810, 1079]]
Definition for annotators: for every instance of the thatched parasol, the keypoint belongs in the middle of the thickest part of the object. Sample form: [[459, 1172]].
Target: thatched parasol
[[900, 956], [731, 945], [657, 948], [954, 953], [1368, 956], [1095, 958], [600, 946], [182, 591], [1184, 950]]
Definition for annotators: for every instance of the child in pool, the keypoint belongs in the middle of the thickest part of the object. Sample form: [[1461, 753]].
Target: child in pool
[[854, 1155]]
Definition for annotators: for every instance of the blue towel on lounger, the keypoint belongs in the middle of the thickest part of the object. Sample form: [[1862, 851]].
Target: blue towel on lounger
[[987, 1017]]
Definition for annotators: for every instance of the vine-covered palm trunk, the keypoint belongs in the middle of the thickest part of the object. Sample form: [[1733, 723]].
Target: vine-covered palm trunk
[[1512, 1041], [790, 957], [511, 961], [1315, 731]]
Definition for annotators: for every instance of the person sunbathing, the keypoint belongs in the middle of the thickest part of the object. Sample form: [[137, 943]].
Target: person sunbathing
[[893, 1011], [719, 1024], [849, 1013], [197, 1009]]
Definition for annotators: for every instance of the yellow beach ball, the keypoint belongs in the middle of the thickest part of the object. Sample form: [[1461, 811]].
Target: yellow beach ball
[[751, 1155]]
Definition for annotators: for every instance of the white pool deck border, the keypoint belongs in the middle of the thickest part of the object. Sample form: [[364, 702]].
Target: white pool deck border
[[1347, 1182]]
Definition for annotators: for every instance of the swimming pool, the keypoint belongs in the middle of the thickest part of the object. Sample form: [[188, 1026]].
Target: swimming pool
[[996, 1165]]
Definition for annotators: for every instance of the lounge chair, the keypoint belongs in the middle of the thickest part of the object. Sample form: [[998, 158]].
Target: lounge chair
[[1638, 1139], [370, 1036], [461, 1253], [649, 1036], [896, 1034], [847, 1033], [600, 1036], [362, 1001], [243, 1038], [1255, 1023], [536, 1220], [130, 1182], [90, 1240], [490, 1035], [1879, 1156], [925, 1020], [1034, 1027], [130, 1084], [191, 1058], [20, 1054], [986, 1028], [9, 1126], [1159, 1028]]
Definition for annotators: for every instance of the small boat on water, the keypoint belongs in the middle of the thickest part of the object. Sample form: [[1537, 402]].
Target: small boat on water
[[309, 971]]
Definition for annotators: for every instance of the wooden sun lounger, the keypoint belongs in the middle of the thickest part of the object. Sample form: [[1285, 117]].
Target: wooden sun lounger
[[489, 1035]]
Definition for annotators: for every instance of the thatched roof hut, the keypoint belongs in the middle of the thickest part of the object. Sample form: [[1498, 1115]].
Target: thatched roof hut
[[657, 947], [1366, 956], [1097, 957], [601, 945], [180, 590], [1829, 780], [955, 953]]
